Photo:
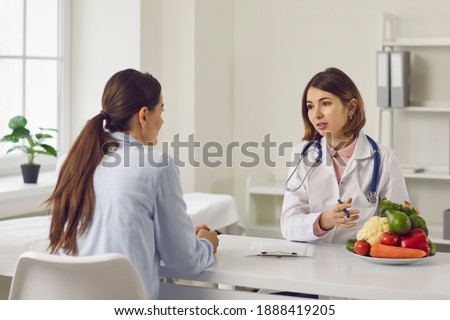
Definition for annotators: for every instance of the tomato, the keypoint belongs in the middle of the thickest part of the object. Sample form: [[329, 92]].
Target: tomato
[[390, 239], [362, 248]]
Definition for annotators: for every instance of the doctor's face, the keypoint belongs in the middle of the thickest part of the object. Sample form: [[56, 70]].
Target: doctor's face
[[326, 112]]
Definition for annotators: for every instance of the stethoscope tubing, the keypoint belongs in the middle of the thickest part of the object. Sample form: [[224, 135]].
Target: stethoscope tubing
[[317, 161], [376, 167]]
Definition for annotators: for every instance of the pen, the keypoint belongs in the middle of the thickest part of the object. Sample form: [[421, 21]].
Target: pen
[[347, 214]]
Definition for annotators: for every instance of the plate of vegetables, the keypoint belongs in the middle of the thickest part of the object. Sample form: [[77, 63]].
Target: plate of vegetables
[[397, 236], [393, 261]]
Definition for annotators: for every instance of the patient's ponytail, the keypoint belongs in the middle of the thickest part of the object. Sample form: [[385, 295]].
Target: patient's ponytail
[[72, 203], [73, 200]]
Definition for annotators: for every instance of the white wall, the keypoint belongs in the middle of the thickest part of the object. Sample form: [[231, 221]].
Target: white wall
[[280, 45], [235, 70], [178, 77], [188, 45], [152, 37], [214, 91], [105, 39]]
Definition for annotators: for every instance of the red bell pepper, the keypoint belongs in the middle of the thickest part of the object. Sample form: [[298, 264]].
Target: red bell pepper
[[416, 231], [416, 239]]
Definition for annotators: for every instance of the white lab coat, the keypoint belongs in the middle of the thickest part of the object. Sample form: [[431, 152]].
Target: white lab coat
[[321, 191]]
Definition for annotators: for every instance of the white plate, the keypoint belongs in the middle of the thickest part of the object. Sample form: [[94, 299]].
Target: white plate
[[392, 261]]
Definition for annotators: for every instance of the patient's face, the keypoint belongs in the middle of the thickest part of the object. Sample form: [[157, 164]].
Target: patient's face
[[155, 122]]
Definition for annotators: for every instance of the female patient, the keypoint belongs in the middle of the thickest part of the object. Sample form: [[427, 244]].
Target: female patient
[[116, 193]]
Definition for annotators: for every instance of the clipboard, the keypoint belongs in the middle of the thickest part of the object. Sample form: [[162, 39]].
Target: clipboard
[[277, 254], [281, 250]]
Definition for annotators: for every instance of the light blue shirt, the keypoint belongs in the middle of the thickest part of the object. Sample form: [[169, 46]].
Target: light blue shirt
[[140, 212]]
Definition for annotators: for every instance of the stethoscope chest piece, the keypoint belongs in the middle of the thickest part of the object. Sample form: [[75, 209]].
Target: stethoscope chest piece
[[371, 197]]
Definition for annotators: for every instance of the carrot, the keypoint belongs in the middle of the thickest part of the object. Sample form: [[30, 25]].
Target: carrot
[[391, 252]]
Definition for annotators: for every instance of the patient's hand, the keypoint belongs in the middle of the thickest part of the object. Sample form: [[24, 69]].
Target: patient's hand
[[201, 227], [211, 236]]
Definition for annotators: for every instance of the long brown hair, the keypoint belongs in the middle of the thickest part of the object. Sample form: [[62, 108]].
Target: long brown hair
[[72, 202], [338, 83]]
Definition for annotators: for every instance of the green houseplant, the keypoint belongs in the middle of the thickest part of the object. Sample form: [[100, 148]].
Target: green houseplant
[[30, 144]]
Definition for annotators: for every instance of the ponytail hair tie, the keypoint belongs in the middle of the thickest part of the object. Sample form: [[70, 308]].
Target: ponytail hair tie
[[104, 114], [107, 119]]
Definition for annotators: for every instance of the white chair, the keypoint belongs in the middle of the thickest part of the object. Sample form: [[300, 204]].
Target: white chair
[[40, 276]]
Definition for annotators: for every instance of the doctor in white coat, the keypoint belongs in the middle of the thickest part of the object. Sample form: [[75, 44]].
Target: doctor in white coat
[[347, 167]]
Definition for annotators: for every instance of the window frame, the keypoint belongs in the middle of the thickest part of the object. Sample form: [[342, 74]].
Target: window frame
[[9, 164]]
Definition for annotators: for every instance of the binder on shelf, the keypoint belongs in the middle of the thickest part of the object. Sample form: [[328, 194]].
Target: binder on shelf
[[447, 224], [383, 83], [399, 78], [407, 168]]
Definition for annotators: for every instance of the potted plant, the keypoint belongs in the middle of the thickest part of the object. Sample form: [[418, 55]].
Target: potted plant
[[30, 144]]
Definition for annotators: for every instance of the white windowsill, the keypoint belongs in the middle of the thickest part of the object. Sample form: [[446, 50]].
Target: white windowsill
[[19, 198]]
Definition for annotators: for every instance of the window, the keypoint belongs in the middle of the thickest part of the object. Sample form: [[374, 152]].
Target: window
[[34, 37]]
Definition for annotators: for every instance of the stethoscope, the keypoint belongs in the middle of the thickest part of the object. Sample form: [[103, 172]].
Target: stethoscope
[[371, 195]]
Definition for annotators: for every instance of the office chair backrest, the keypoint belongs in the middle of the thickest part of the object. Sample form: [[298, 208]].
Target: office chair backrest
[[40, 276]]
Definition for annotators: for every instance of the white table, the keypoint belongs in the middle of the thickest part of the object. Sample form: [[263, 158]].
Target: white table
[[18, 235], [332, 272]]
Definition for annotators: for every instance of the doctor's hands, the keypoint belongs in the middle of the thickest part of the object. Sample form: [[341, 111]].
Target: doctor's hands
[[335, 217], [205, 232]]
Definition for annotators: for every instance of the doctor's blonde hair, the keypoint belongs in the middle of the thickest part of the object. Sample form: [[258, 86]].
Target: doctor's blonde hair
[[338, 83]]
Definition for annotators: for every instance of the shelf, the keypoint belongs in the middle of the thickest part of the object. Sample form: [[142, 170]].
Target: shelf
[[264, 196], [264, 231], [267, 190], [418, 42], [436, 235], [425, 175], [266, 227], [425, 110], [430, 173], [418, 109], [265, 185]]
